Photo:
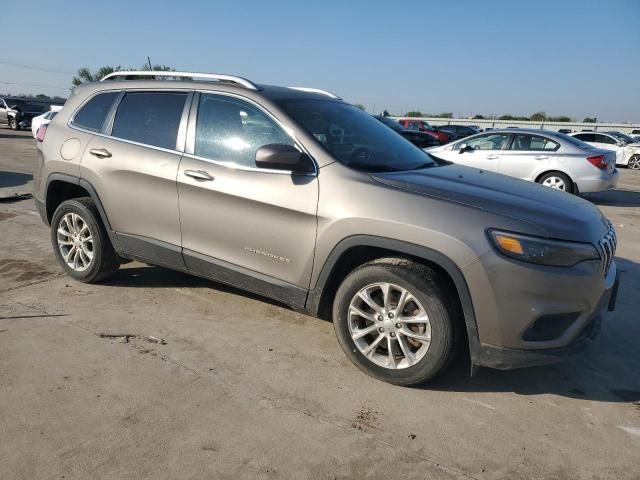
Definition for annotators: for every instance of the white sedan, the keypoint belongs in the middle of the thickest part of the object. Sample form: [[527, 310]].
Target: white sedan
[[627, 148], [44, 119]]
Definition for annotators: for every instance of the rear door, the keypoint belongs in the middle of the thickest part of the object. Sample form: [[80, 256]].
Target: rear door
[[527, 155], [486, 153], [241, 224], [132, 163]]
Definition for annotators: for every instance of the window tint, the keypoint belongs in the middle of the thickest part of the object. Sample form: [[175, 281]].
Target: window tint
[[491, 141], [532, 142], [603, 139], [585, 137], [91, 116], [230, 130], [150, 118]]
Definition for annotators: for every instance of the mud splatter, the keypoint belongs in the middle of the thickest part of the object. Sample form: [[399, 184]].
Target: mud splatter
[[365, 418], [22, 270]]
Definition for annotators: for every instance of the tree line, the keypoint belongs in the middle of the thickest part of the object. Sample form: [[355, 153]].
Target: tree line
[[535, 117]]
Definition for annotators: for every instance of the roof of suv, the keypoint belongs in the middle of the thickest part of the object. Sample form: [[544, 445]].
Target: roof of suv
[[246, 88]]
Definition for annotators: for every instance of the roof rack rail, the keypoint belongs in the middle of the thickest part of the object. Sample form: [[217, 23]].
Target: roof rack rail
[[315, 90], [159, 73]]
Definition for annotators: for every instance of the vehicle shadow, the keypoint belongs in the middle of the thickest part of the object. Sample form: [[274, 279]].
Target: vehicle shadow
[[14, 179], [10, 134], [614, 198], [139, 275], [609, 371]]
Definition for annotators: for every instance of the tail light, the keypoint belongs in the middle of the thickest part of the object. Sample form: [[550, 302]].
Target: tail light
[[42, 130], [598, 161]]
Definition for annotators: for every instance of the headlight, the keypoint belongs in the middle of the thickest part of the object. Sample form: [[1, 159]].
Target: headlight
[[542, 251]]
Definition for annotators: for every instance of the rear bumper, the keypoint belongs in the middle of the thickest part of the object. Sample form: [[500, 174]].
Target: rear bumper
[[508, 358], [598, 183]]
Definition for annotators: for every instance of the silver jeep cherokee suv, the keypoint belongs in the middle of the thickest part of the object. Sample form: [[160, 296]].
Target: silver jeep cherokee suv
[[293, 194]]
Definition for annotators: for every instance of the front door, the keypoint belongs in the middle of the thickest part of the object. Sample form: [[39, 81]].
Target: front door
[[243, 225], [483, 151]]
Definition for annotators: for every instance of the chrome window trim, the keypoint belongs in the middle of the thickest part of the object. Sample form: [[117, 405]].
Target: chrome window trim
[[191, 135], [189, 144]]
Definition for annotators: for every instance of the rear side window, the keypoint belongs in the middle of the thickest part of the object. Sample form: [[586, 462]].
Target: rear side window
[[91, 116], [585, 137], [152, 118], [532, 142], [604, 139]]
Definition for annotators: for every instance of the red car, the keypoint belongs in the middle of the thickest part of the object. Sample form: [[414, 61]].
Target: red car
[[422, 126]]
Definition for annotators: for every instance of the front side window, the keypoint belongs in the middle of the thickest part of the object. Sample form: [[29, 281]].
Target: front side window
[[491, 141], [355, 138], [152, 118], [525, 142], [92, 114], [231, 130]]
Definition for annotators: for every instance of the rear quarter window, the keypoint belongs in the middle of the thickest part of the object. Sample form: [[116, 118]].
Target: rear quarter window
[[93, 113]]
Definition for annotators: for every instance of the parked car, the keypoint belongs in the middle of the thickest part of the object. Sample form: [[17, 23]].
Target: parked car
[[548, 158], [626, 148], [40, 120], [565, 130], [635, 132], [298, 196], [17, 113], [460, 131], [423, 126], [419, 139]]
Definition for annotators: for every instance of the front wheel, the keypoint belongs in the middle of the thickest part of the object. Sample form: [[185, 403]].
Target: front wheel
[[80, 242], [397, 321], [634, 162], [13, 123], [557, 181]]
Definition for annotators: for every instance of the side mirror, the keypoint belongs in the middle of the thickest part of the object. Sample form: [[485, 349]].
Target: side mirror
[[466, 148], [279, 156]]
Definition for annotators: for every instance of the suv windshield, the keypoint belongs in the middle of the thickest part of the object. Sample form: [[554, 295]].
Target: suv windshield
[[622, 137], [355, 138]]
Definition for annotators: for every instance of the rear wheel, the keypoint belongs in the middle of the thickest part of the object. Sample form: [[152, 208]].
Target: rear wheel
[[634, 162], [81, 243], [396, 321], [557, 181]]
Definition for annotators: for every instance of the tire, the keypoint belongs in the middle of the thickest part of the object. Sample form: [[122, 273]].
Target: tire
[[634, 162], [432, 296], [557, 180], [13, 123], [97, 260]]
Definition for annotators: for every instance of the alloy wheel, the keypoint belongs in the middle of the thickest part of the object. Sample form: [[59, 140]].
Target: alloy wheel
[[634, 162], [389, 325], [75, 242], [554, 182]]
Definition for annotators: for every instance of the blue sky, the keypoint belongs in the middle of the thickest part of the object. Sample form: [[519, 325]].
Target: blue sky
[[576, 58]]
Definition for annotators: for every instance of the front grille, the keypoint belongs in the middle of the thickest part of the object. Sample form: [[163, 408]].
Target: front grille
[[608, 247]]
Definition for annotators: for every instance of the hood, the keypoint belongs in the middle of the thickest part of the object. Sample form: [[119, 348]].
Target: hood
[[558, 214]]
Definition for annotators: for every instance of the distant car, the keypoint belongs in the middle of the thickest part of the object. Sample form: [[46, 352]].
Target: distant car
[[627, 149], [565, 130], [40, 120], [460, 131], [549, 158], [17, 113], [423, 126], [635, 132], [419, 139]]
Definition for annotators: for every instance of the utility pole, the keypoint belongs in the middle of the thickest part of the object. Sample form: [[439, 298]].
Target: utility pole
[[149, 60]]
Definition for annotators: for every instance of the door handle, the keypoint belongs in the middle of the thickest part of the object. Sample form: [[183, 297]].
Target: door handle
[[200, 175], [492, 157], [540, 157], [100, 152]]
